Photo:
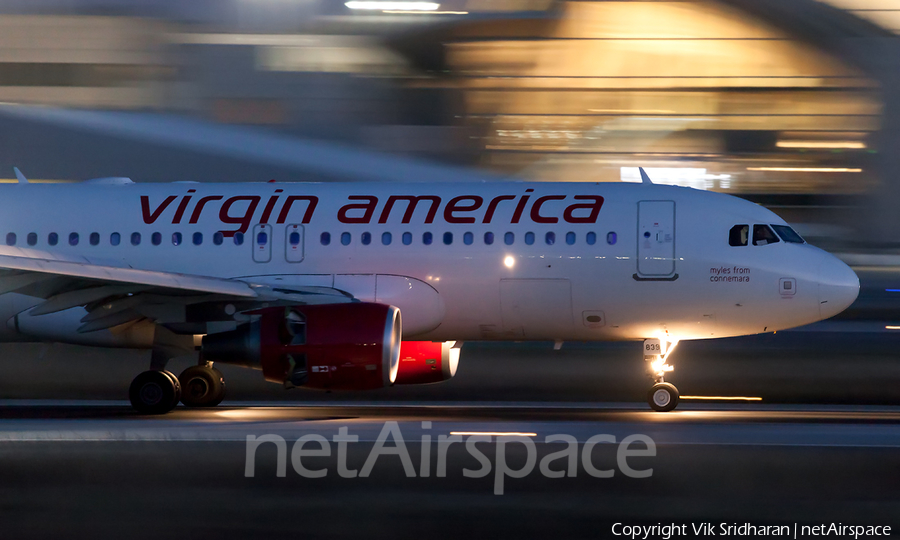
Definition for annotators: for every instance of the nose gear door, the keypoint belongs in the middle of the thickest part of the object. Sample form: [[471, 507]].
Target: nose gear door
[[656, 241]]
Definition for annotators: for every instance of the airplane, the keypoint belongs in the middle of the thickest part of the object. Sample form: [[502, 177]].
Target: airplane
[[354, 286]]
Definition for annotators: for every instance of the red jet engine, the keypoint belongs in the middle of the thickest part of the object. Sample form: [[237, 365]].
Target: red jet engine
[[337, 346], [425, 362]]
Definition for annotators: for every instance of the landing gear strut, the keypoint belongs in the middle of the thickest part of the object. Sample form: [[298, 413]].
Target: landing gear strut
[[202, 386], [662, 396]]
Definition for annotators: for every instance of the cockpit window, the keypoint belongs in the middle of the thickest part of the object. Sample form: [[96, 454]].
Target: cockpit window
[[738, 235], [763, 235], [788, 234]]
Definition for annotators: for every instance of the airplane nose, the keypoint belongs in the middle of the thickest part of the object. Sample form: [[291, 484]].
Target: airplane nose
[[838, 287]]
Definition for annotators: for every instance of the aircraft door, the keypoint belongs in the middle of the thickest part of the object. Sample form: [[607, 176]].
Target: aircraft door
[[656, 240], [293, 243], [262, 243]]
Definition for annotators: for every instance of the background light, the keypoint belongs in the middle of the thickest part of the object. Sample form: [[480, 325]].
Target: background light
[[384, 6]]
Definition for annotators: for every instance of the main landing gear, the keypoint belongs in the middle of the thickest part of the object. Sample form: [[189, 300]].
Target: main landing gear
[[202, 386], [159, 391], [662, 396]]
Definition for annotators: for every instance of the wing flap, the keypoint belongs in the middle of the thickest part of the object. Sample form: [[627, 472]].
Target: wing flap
[[129, 276]]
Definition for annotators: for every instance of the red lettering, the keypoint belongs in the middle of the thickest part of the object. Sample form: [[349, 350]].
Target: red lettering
[[594, 207], [244, 220], [536, 209], [182, 207], [145, 208], [310, 208], [520, 207], [200, 204], [412, 203], [368, 209], [492, 207], [269, 207], [454, 206]]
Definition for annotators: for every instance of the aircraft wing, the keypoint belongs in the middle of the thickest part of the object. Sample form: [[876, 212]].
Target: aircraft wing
[[115, 295]]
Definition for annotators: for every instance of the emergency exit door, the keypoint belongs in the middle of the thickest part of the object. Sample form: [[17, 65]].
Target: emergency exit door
[[293, 243], [656, 240], [262, 243]]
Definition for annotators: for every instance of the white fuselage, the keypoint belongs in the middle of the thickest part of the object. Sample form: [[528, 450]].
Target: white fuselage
[[627, 261]]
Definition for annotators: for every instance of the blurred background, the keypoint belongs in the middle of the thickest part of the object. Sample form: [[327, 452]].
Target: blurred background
[[791, 104]]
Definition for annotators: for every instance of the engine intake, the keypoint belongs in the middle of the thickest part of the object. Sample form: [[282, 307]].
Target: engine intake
[[426, 362]]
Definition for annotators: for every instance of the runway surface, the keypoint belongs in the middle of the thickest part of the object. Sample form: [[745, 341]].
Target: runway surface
[[96, 469]]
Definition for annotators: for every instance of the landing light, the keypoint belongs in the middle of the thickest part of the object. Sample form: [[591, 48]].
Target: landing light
[[660, 366], [509, 261]]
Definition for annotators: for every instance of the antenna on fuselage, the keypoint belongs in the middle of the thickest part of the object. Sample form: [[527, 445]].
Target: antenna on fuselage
[[644, 178], [20, 176]]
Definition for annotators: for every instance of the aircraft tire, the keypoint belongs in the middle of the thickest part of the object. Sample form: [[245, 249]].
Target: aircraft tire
[[663, 397], [154, 392], [202, 386]]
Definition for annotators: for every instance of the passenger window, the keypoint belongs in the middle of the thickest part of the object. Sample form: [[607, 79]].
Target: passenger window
[[198, 238], [345, 239], [427, 238], [156, 238], [11, 239], [218, 238], [509, 238], [176, 239], [94, 238], [590, 238], [468, 238], [611, 238], [550, 238], [238, 238], [73, 239], [488, 238], [407, 238], [529, 238], [32, 239], [448, 238], [115, 238], [763, 235], [135, 239], [325, 238], [53, 239], [294, 238], [738, 234], [570, 238], [365, 238], [386, 238]]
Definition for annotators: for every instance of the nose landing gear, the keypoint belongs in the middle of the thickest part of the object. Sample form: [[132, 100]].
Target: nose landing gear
[[662, 396]]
